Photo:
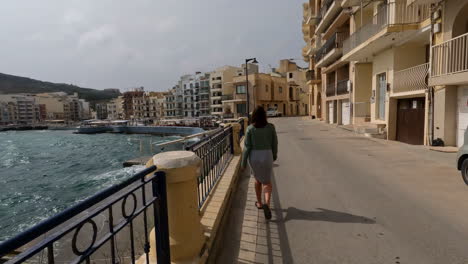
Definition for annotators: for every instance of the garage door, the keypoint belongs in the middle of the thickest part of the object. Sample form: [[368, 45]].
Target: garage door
[[331, 112], [462, 114], [410, 121], [345, 112]]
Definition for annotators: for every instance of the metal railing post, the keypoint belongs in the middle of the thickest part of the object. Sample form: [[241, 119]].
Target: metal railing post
[[161, 222]]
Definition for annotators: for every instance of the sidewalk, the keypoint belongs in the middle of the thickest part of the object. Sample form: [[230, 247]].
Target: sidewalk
[[248, 237]]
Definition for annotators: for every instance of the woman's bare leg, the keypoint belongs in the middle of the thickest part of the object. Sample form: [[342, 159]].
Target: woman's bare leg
[[258, 192], [267, 188]]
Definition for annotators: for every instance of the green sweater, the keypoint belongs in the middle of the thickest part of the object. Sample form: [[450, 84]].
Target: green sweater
[[260, 139]]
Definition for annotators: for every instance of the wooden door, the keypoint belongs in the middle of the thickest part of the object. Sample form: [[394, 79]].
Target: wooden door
[[410, 121]]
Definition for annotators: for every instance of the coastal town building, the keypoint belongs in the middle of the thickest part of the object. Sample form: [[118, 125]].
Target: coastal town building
[[449, 73], [115, 109], [298, 99], [8, 113], [101, 111], [196, 94], [149, 107], [62, 106], [267, 90], [128, 101], [174, 103], [20, 108], [369, 65], [222, 86]]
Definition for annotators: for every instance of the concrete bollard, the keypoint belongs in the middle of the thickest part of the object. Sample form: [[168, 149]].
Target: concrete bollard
[[236, 127], [185, 230], [246, 124]]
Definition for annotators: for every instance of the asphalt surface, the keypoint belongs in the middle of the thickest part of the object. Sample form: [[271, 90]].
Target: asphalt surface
[[344, 198]]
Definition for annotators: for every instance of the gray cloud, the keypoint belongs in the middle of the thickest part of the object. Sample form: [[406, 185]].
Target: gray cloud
[[110, 43]]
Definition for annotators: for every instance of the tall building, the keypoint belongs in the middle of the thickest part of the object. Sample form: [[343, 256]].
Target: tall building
[[128, 101], [267, 90], [196, 97], [222, 86], [21, 108], [149, 107], [448, 73], [8, 113], [101, 111], [372, 60], [62, 106], [174, 103], [298, 99], [114, 108]]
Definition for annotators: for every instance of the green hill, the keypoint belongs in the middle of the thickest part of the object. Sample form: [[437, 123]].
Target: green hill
[[10, 84]]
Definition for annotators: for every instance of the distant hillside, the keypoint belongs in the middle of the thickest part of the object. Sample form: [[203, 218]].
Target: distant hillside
[[14, 84]]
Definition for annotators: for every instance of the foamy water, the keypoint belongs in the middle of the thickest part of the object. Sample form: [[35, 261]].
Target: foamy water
[[44, 172]]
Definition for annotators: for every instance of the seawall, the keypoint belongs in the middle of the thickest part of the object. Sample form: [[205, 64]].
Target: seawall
[[155, 130]]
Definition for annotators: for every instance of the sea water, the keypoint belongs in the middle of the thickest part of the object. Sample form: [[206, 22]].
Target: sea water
[[45, 172]]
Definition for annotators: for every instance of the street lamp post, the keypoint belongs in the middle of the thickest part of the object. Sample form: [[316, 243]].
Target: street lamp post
[[253, 60]]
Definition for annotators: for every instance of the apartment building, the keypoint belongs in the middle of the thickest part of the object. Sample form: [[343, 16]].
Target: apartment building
[[298, 92], [62, 106], [101, 111], [174, 103], [20, 108], [196, 95], [267, 90], [372, 58], [115, 108], [8, 113], [449, 72], [128, 101], [149, 107], [222, 86], [313, 75]]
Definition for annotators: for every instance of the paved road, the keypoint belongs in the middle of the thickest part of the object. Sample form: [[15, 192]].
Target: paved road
[[343, 198]]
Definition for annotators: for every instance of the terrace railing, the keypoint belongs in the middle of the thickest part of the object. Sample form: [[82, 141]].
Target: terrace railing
[[336, 41], [331, 89], [112, 226], [395, 13], [342, 87], [450, 56], [215, 151], [411, 79]]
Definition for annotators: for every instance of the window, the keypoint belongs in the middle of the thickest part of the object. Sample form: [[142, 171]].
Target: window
[[241, 108], [280, 89], [266, 88], [290, 75], [240, 89]]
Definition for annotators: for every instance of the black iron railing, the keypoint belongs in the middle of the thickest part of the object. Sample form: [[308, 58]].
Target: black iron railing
[[335, 41], [112, 226], [215, 152], [342, 87], [242, 129]]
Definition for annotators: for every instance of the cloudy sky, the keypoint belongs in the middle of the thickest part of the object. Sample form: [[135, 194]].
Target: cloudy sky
[[122, 44]]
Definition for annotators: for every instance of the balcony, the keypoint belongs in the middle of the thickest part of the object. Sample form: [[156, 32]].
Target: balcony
[[331, 89], [449, 64], [393, 23], [411, 80], [330, 9], [227, 97], [342, 87], [331, 50], [312, 78]]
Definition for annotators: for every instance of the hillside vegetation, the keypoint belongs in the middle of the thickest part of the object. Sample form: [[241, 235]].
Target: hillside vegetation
[[10, 84]]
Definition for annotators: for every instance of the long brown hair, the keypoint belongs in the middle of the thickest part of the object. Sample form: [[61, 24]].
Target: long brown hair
[[259, 117]]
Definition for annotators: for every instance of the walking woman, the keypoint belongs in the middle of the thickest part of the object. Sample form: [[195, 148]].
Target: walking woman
[[261, 149]]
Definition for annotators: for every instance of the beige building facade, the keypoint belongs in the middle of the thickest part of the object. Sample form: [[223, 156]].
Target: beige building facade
[[369, 65], [449, 72]]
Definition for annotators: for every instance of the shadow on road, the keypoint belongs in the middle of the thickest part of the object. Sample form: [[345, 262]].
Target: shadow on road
[[293, 213]]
